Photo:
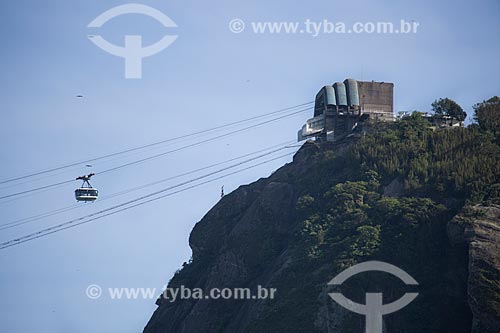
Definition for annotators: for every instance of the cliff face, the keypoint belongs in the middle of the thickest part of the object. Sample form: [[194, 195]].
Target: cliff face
[[478, 228], [241, 242], [333, 207]]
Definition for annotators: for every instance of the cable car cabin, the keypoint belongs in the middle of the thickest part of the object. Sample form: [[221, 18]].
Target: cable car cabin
[[86, 194]]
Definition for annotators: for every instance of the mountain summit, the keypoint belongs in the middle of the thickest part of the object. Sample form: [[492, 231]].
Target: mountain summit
[[424, 200]]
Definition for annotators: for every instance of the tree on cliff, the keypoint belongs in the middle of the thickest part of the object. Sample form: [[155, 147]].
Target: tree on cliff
[[487, 115], [448, 107]]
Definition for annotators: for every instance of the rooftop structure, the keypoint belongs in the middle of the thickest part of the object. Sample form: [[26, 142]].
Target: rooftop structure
[[338, 108]]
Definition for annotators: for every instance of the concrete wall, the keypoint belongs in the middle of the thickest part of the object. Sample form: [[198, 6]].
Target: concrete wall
[[376, 99]]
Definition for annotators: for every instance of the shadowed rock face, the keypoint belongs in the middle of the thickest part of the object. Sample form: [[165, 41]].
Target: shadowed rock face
[[241, 242], [479, 228], [255, 236]]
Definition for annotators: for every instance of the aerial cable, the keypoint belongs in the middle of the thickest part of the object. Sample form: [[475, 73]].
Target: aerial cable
[[37, 189], [123, 207], [199, 143], [126, 191], [159, 155], [151, 144]]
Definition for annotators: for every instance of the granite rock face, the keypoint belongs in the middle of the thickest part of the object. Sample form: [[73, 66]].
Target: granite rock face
[[478, 227], [252, 236], [240, 242]]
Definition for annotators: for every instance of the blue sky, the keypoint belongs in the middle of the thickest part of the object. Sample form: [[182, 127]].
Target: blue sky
[[207, 77]]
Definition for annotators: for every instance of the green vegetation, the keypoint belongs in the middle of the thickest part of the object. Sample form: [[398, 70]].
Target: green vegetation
[[346, 218], [388, 196], [448, 107], [487, 115]]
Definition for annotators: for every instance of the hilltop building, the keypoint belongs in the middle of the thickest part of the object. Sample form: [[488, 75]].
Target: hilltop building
[[340, 107]]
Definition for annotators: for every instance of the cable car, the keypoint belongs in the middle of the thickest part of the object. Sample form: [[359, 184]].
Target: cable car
[[86, 192]]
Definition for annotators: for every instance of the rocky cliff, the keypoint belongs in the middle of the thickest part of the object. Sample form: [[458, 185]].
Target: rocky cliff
[[478, 228], [421, 200]]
